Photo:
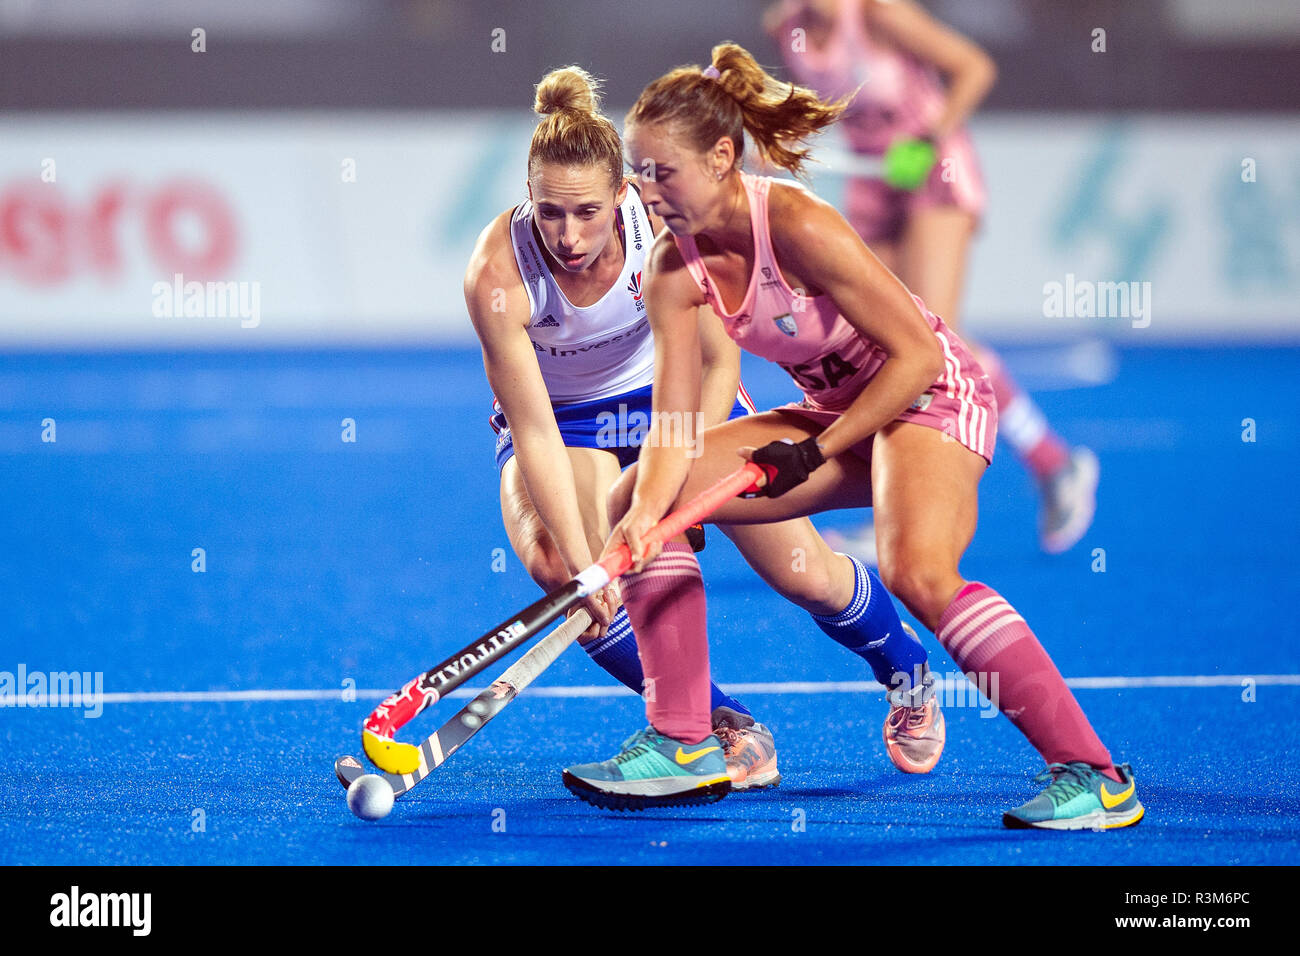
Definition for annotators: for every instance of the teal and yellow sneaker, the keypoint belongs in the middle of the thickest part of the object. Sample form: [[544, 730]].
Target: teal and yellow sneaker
[[652, 770], [1079, 798]]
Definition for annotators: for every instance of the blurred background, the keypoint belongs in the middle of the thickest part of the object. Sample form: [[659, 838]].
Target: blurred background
[[343, 155], [295, 495]]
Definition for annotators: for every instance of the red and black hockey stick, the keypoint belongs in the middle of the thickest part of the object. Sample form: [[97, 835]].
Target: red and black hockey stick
[[396, 757]]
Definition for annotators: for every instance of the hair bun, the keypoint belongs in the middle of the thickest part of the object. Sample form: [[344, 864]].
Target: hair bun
[[568, 88]]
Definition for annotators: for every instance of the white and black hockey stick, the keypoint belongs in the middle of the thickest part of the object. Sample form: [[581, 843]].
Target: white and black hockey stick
[[419, 693], [451, 736]]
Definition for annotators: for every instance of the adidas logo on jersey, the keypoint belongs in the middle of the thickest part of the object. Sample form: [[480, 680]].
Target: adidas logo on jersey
[[549, 322]]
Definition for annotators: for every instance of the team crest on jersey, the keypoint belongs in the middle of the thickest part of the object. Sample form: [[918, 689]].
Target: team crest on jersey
[[786, 324], [922, 403], [549, 322], [634, 286]]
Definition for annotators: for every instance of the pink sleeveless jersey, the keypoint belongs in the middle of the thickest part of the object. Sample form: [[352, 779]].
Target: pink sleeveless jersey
[[897, 94], [829, 359]]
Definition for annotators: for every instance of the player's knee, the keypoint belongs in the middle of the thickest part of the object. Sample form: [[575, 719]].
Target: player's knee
[[923, 586], [619, 498], [811, 585]]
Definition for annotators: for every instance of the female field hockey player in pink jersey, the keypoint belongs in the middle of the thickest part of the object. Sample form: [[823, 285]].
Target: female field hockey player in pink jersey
[[554, 291], [896, 414], [887, 58]]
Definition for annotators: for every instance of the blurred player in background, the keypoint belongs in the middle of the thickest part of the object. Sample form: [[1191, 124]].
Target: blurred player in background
[[882, 378], [554, 292], [912, 83]]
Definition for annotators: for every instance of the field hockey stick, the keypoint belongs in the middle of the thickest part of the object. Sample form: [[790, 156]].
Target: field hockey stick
[[396, 757], [843, 163], [434, 684], [437, 748]]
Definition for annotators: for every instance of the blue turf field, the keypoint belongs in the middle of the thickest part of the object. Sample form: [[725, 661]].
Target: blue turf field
[[330, 562]]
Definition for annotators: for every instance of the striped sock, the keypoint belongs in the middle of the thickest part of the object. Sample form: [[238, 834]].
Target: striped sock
[[666, 605], [1022, 423], [616, 654], [870, 627], [985, 635]]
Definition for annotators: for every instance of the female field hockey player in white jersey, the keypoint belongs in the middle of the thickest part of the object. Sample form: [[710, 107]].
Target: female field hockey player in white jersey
[[554, 292], [896, 415]]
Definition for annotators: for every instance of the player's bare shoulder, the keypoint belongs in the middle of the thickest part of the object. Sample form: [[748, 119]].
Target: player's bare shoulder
[[802, 224], [664, 255], [493, 284], [667, 278], [665, 259], [493, 251], [791, 205]]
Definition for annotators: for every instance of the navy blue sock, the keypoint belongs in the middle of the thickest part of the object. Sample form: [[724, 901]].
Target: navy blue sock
[[617, 655], [871, 628], [722, 700]]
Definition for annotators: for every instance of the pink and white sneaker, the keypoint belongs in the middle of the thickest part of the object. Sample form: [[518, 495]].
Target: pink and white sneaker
[[750, 750], [914, 728], [1069, 502]]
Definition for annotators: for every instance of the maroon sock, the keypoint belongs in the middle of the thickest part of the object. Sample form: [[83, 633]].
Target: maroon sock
[[665, 603], [985, 635]]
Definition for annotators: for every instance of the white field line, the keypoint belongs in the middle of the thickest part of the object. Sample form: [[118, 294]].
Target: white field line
[[948, 683]]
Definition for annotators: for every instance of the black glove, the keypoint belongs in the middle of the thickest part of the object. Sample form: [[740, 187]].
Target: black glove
[[695, 537], [787, 465]]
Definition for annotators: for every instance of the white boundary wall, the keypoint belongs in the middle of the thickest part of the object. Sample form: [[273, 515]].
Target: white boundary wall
[[265, 200]]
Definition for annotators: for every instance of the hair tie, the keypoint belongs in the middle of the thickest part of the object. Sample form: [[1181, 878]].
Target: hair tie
[[712, 72]]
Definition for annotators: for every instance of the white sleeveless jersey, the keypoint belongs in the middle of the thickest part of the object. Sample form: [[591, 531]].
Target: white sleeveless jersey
[[597, 350]]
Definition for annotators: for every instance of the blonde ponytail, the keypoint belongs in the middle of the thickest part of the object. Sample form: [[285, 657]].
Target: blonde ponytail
[[741, 98]]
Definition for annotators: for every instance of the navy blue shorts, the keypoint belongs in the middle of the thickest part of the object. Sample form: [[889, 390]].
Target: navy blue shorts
[[617, 424]]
